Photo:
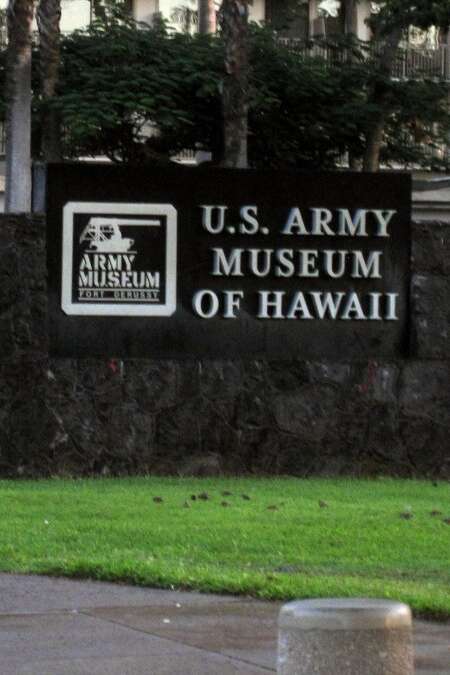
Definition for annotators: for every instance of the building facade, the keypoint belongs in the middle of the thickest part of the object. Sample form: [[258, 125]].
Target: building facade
[[313, 18], [291, 19]]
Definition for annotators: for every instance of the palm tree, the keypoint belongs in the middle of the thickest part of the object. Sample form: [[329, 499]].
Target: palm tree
[[48, 18], [185, 16], [18, 114], [378, 97], [234, 20]]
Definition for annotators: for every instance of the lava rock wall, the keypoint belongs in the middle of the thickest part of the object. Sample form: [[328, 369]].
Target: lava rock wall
[[110, 417]]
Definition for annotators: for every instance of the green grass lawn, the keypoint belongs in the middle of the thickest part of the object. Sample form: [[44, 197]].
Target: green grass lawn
[[358, 544]]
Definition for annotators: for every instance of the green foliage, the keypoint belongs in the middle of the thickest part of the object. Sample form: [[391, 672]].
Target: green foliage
[[137, 93], [120, 80], [418, 124], [304, 112], [309, 113], [120, 83]]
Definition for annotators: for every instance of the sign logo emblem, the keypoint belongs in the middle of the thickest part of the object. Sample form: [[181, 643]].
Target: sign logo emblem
[[119, 259], [105, 236]]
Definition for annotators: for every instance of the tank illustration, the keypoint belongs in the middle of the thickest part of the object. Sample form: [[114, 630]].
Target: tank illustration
[[104, 235]]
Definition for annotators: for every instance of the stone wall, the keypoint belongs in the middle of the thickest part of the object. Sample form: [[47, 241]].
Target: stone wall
[[66, 417]]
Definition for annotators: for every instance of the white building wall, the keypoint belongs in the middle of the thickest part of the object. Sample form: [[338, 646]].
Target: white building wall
[[75, 14], [363, 12], [257, 10], [143, 10], [167, 7]]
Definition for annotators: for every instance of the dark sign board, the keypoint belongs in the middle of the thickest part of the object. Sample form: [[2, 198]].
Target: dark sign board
[[197, 262]]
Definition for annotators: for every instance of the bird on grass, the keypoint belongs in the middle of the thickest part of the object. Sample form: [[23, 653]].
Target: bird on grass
[[158, 500], [246, 497], [203, 495], [406, 515], [322, 504], [435, 512], [224, 503]]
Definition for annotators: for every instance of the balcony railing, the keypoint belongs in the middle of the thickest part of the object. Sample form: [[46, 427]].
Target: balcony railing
[[432, 63], [410, 62]]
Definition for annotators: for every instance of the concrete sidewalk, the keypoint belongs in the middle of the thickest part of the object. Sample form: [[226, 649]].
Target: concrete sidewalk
[[64, 627]]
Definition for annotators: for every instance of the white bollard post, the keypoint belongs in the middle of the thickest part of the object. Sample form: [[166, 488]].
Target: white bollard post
[[345, 637]]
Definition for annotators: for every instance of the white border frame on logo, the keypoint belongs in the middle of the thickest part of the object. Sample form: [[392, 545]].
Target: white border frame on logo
[[122, 309]]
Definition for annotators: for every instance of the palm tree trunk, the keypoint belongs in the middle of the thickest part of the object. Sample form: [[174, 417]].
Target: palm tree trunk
[[49, 16], [234, 14], [349, 24], [378, 98], [373, 145], [18, 113], [206, 17]]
